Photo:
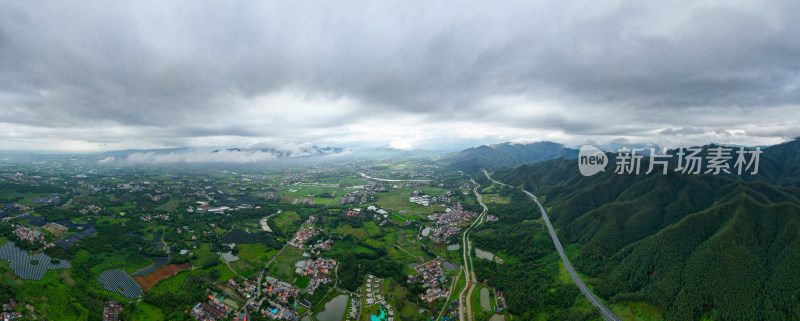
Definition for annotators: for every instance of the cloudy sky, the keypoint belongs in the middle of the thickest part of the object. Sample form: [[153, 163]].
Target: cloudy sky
[[92, 75]]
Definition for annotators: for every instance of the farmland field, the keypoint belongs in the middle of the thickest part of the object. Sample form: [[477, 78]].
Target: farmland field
[[147, 282]]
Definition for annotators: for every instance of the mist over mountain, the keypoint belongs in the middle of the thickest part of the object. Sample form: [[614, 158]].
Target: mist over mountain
[[297, 151], [258, 153], [253, 154]]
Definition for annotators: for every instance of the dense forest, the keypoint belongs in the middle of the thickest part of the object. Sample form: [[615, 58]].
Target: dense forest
[[526, 276], [354, 266]]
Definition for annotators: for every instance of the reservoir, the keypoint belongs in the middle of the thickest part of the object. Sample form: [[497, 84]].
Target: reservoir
[[334, 309]]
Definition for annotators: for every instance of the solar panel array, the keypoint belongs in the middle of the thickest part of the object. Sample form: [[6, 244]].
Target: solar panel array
[[120, 282], [158, 262], [20, 262], [71, 240]]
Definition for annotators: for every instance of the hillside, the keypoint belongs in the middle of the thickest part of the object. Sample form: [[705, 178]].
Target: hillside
[[506, 155], [696, 245]]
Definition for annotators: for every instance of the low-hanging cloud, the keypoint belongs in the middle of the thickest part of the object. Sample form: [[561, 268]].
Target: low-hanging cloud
[[261, 152], [195, 157]]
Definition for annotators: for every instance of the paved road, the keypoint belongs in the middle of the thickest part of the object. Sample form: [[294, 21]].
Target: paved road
[[604, 310]]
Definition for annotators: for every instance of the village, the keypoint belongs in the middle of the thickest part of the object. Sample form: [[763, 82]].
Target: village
[[317, 270], [433, 280], [269, 292], [448, 223]]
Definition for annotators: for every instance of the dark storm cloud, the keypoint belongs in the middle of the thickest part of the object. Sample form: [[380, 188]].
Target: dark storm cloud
[[171, 73]]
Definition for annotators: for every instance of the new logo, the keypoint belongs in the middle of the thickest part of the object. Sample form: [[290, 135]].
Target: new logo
[[591, 160]]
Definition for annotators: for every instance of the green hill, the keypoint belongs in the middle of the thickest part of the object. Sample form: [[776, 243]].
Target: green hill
[[696, 245]]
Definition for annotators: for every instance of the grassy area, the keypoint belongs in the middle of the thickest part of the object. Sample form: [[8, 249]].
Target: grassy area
[[286, 221], [283, 266], [224, 272], [255, 254], [302, 282], [372, 228], [476, 298], [399, 201], [361, 249], [494, 198], [172, 284], [360, 233], [350, 181], [146, 312], [169, 206]]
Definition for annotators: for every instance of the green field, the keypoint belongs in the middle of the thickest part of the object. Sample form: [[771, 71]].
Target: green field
[[372, 228], [286, 221], [147, 312], [283, 266], [398, 201], [255, 254], [172, 284], [360, 233], [169, 206]]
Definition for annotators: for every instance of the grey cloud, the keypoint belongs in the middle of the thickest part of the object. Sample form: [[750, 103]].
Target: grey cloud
[[682, 131], [184, 70]]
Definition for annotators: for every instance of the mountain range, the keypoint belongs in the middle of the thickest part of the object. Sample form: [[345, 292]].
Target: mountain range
[[720, 247], [493, 157]]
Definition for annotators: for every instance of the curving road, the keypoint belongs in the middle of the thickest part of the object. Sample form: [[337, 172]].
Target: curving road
[[604, 310]]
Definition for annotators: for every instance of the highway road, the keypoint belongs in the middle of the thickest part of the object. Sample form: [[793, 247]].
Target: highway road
[[604, 310]]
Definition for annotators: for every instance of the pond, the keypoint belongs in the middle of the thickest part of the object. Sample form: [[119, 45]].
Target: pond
[[449, 266], [334, 309], [412, 265], [485, 304]]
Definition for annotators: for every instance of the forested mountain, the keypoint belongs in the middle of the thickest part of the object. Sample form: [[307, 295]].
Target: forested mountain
[[696, 245], [507, 155]]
